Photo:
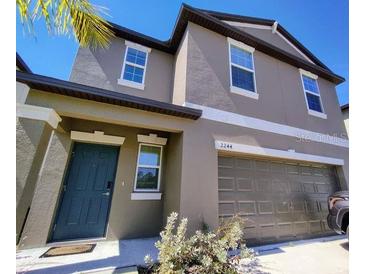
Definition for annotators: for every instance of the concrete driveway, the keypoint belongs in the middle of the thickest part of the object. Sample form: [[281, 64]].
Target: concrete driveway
[[321, 256]]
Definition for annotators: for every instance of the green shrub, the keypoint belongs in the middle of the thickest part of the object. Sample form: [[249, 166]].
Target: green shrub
[[203, 253]]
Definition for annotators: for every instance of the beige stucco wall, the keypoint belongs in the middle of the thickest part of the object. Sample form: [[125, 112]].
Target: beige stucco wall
[[102, 68], [281, 96], [47, 190], [273, 38], [31, 143], [190, 178], [180, 72]]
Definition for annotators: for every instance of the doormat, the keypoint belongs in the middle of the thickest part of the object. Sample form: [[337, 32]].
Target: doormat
[[68, 250]]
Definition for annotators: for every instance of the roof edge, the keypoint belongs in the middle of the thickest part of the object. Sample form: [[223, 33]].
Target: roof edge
[[21, 64]]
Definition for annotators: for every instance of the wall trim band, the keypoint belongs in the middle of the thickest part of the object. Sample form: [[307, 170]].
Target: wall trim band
[[267, 126], [276, 153]]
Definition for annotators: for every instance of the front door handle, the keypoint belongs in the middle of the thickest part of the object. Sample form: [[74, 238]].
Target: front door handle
[[105, 193]]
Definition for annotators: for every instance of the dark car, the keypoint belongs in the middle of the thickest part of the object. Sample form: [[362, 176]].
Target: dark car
[[338, 207]]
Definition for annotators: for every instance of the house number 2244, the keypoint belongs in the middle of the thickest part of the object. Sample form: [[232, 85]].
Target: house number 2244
[[226, 145]]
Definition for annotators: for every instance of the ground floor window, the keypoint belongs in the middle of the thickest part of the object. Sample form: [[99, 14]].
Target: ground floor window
[[148, 171]]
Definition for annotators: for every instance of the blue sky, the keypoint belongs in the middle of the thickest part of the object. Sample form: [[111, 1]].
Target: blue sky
[[322, 26]]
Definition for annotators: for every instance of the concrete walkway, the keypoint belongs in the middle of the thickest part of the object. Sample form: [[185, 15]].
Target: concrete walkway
[[106, 256], [320, 256]]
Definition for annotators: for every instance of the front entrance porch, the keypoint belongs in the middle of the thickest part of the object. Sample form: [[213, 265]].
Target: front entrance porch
[[103, 181]]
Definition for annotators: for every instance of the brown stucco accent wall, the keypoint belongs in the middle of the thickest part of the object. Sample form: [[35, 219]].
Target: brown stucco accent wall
[[102, 68], [281, 96]]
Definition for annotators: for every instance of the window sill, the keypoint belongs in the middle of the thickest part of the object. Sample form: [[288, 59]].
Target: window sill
[[317, 114], [247, 93], [146, 196], [130, 84]]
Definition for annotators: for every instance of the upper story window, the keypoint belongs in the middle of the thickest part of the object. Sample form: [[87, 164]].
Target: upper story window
[[134, 65], [242, 69], [312, 94]]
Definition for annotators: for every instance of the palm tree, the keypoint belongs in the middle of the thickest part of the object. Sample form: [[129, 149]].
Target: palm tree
[[79, 17]]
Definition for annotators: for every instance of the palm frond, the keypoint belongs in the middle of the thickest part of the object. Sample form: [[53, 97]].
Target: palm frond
[[79, 17]]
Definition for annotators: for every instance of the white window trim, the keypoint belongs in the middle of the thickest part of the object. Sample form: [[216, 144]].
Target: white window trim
[[234, 89], [129, 83], [148, 166], [146, 196], [312, 112]]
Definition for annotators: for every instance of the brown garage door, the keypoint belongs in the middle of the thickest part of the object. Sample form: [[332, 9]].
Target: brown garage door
[[279, 200]]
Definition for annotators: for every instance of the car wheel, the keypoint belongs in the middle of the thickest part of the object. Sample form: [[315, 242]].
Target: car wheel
[[348, 231]]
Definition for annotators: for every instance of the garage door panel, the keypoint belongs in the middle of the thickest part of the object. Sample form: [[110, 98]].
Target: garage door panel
[[281, 186], [308, 187], [245, 184], [265, 207], [226, 162], [246, 208], [227, 207], [226, 183], [300, 228], [315, 227], [285, 230], [243, 163], [262, 166], [264, 185]]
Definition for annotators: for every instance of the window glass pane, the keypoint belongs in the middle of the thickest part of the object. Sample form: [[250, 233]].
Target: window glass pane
[[147, 178], [136, 56], [310, 84], [314, 102], [241, 57], [132, 73], [149, 155], [242, 79]]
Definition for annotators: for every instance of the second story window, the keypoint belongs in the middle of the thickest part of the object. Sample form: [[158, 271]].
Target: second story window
[[312, 95], [134, 65], [242, 70]]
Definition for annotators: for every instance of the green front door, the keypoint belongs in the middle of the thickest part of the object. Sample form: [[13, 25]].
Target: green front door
[[87, 192]]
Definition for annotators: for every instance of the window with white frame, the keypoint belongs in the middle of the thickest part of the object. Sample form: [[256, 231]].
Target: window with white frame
[[148, 171], [312, 94], [242, 68], [134, 66]]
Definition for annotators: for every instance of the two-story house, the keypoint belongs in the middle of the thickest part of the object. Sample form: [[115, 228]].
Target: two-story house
[[231, 115]]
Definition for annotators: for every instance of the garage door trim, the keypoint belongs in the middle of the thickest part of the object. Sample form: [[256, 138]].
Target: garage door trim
[[276, 153]]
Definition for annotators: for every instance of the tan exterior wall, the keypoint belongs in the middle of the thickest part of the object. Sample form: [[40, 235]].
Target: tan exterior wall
[[180, 72], [46, 193], [191, 160], [281, 96], [272, 38], [172, 187], [31, 143], [103, 68]]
